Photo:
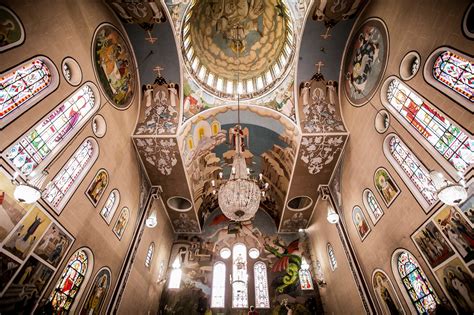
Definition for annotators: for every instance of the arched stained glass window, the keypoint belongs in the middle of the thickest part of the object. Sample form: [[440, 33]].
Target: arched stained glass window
[[70, 282], [62, 186], [411, 170], [149, 254], [331, 257], [416, 284], [239, 276], [456, 73], [218, 285], [175, 276], [24, 86], [110, 206], [372, 205], [42, 142], [434, 129], [262, 299], [306, 281]]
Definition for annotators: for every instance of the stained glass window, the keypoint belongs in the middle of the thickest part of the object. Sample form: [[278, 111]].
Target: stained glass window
[[417, 285], [444, 136], [70, 282], [332, 257], [239, 276], [455, 72], [218, 285], [149, 255], [175, 276], [306, 281], [415, 172], [19, 86], [69, 176], [110, 206], [262, 299], [371, 203], [54, 131]]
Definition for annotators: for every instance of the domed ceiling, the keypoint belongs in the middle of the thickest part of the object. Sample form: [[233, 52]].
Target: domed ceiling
[[254, 38]]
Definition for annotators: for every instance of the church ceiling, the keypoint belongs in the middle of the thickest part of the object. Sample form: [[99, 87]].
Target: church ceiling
[[296, 132]]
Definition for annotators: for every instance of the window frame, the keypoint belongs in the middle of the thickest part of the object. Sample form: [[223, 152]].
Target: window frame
[[213, 287], [329, 250], [149, 255], [255, 266], [368, 208], [114, 207]]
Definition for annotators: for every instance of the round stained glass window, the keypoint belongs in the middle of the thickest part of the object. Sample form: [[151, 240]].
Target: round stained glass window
[[225, 253], [254, 253]]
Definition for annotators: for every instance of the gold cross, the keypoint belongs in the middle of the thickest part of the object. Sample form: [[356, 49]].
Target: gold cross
[[326, 35], [150, 38], [318, 66], [158, 70]]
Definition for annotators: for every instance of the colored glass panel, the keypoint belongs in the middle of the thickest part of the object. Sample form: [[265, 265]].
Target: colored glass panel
[[374, 206], [262, 299], [218, 285], [239, 276], [416, 284], [413, 169], [332, 257], [38, 143], [21, 84], [444, 136], [70, 282], [109, 205], [149, 255], [455, 72]]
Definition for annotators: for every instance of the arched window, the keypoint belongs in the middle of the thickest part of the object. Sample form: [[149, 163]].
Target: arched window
[[331, 257], [63, 185], [175, 276], [411, 170], [434, 130], [24, 86], [372, 205], [239, 276], [417, 287], [42, 142], [68, 287], [262, 299], [149, 255], [110, 206], [451, 72], [218, 285], [306, 281]]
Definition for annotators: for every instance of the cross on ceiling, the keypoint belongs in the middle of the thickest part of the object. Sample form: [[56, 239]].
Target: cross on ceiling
[[158, 70], [326, 35], [318, 66], [150, 38]]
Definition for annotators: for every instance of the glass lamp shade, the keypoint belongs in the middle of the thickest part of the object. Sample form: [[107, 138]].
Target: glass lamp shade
[[452, 195], [332, 217], [151, 221], [26, 193]]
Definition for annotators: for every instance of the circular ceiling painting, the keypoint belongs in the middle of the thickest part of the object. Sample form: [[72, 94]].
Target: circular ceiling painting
[[114, 65], [365, 61], [254, 38]]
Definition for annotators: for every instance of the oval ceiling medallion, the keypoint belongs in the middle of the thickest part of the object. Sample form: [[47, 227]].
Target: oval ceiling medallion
[[221, 37], [300, 203], [179, 204]]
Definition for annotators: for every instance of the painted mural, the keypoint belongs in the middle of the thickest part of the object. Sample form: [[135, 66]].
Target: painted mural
[[97, 187], [97, 294], [365, 61], [360, 222], [433, 245], [386, 186], [333, 11], [160, 153], [385, 294], [114, 65], [11, 30], [318, 151], [198, 254], [121, 223], [144, 13]]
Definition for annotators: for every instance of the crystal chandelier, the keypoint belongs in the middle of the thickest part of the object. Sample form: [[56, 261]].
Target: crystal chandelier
[[29, 191], [239, 196], [449, 193]]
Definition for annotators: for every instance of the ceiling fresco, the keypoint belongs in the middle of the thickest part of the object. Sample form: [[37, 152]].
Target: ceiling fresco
[[295, 132]]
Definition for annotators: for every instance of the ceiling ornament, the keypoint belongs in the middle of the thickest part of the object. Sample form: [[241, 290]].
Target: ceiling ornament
[[331, 12], [319, 151], [161, 153]]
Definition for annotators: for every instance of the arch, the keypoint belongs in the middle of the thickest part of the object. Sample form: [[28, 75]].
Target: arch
[[413, 173], [218, 285], [449, 71], [97, 187], [73, 279], [61, 188], [360, 222], [121, 223], [149, 254], [239, 276], [435, 131], [413, 283], [110, 206], [39, 145], [262, 299], [175, 275], [25, 85], [385, 293], [97, 292], [16, 39], [331, 257], [372, 206]]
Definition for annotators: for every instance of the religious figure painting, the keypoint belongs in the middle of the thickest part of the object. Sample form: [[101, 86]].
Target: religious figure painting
[[97, 188], [27, 233], [467, 207], [458, 284], [53, 245], [386, 186], [11, 30], [8, 267], [11, 211], [457, 230], [97, 293], [432, 244], [114, 65], [365, 61], [385, 294], [121, 223], [360, 222]]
